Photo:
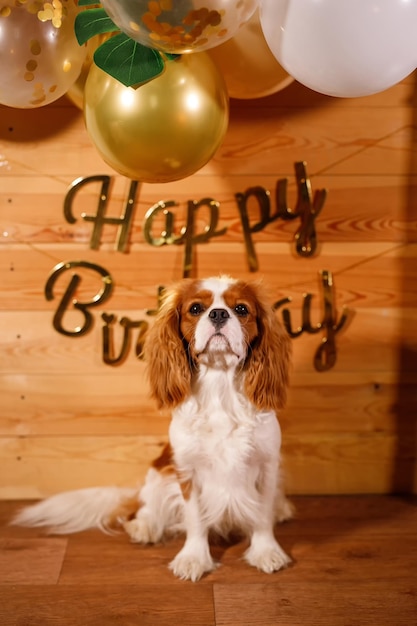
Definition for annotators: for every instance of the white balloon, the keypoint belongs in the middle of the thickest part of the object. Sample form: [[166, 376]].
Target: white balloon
[[344, 48]]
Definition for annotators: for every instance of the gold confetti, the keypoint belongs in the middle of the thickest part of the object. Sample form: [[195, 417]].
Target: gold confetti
[[38, 95], [201, 42], [196, 21], [46, 14], [51, 12], [134, 26], [35, 47], [154, 7], [214, 18], [31, 65], [5, 11], [37, 101]]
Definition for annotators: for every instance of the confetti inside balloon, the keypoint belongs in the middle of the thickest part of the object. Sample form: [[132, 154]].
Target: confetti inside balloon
[[164, 130], [179, 26], [40, 57], [344, 48]]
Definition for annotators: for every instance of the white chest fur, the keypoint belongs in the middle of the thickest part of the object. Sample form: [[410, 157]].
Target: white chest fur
[[224, 445]]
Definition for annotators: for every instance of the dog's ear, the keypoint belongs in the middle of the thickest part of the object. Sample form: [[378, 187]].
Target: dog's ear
[[168, 368], [269, 360]]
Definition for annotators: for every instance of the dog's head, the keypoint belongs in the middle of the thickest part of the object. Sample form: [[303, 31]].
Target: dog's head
[[218, 323]]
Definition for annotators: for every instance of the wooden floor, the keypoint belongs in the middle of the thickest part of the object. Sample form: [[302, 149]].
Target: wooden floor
[[355, 564]]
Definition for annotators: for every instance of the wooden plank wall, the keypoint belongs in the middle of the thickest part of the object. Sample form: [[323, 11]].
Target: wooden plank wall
[[68, 420]]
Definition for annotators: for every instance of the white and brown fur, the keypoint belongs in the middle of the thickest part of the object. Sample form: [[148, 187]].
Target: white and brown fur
[[218, 357]]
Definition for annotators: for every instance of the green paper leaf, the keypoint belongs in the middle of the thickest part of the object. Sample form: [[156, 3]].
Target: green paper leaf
[[128, 61], [86, 3], [92, 22]]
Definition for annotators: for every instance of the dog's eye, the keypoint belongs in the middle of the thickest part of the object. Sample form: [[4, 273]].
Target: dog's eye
[[241, 310], [196, 308]]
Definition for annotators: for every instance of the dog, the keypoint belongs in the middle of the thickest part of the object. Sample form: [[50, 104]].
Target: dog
[[219, 359]]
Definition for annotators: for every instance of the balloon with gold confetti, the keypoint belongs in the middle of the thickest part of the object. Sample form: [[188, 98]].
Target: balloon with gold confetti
[[164, 130], [180, 26], [40, 57]]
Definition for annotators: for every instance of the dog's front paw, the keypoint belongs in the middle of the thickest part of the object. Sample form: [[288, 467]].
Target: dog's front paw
[[267, 558], [190, 566]]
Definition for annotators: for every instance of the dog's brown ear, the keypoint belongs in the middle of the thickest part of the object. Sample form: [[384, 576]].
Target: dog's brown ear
[[269, 361], [168, 368]]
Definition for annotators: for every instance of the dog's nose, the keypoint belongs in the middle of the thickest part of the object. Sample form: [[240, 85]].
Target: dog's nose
[[218, 317]]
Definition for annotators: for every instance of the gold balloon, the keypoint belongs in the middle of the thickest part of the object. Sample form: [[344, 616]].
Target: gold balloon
[[39, 54], [180, 26], [248, 65], [164, 130]]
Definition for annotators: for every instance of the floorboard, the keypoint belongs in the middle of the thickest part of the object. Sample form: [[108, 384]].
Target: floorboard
[[354, 564]]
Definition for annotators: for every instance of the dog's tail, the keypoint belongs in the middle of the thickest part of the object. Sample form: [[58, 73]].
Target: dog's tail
[[105, 508]]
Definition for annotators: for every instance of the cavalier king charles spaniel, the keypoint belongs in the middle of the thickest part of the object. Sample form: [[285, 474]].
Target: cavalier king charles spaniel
[[219, 358]]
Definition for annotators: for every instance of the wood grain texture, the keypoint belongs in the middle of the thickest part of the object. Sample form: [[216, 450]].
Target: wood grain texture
[[87, 460], [355, 210], [37, 560], [370, 344], [296, 604], [110, 405], [353, 563], [67, 419]]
